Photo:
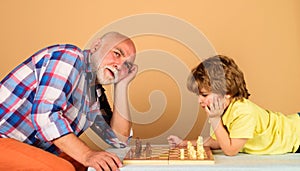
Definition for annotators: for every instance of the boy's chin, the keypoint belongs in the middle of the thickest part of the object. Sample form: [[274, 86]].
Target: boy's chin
[[203, 107]]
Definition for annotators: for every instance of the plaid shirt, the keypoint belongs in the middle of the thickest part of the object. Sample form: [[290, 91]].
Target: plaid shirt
[[49, 95]]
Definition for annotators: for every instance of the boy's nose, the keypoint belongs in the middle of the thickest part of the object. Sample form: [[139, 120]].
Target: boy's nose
[[200, 99]]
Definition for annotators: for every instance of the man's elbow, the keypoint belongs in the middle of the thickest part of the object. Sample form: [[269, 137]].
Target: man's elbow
[[125, 133], [122, 134]]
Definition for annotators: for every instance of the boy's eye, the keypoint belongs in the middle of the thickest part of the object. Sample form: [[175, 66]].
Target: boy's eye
[[204, 95]]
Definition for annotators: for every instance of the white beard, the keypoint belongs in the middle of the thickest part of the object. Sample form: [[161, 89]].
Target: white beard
[[104, 78]]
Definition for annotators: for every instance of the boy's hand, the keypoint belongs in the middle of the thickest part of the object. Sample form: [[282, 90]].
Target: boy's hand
[[174, 141], [216, 106]]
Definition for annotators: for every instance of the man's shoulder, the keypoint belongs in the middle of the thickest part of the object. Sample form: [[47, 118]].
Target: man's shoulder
[[66, 53], [65, 47], [58, 48]]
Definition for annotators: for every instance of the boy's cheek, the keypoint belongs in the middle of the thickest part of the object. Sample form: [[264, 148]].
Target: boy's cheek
[[209, 100]]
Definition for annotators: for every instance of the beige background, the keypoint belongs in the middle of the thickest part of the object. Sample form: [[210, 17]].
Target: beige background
[[262, 36]]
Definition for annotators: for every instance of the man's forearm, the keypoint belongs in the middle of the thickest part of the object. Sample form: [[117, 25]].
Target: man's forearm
[[78, 150], [121, 120], [73, 146]]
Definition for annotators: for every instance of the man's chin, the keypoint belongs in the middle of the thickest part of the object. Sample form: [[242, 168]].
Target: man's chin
[[104, 81], [107, 82]]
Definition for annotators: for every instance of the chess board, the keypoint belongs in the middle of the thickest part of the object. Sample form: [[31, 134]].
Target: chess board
[[167, 156]]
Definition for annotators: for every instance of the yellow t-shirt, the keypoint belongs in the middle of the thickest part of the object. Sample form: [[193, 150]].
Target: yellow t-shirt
[[267, 132]]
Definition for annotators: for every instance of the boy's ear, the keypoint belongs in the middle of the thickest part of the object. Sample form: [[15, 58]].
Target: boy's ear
[[227, 96], [95, 45]]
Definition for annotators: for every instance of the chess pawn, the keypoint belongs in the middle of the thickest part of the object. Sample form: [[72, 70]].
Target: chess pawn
[[189, 145], [148, 150], [138, 147], [193, 154], [182, 153]]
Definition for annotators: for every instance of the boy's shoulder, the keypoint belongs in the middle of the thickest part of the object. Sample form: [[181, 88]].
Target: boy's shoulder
[[243, 106]]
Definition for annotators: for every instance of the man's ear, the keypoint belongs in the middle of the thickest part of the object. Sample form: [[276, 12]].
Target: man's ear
[[95, 45]]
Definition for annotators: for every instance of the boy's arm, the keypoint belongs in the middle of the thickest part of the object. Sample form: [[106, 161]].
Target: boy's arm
[[213, 144], [215, 110], [230, 146]]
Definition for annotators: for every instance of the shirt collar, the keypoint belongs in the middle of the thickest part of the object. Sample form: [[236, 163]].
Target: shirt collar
[[90, 76], [87, 60]]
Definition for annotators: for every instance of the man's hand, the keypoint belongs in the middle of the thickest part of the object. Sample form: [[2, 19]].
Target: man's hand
[[131, 74], [102, 160], [78, 150]]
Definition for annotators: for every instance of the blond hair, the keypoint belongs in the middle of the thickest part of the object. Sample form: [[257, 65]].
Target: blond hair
[[218, 74]]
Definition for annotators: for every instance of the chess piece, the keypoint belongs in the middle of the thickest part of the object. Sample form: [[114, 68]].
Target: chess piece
[[181, 153], [138, 147], [200, 148], [148, 149]]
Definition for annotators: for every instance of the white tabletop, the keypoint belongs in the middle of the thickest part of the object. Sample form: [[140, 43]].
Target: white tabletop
[[245, 162]]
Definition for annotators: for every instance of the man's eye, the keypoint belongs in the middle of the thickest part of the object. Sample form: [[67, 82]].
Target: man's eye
[[117, 54]]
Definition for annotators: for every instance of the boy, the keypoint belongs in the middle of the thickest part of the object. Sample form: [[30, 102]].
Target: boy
[[238, 124]]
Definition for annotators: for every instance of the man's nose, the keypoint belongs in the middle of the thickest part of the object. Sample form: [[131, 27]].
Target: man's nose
[[116, 66], [120, 66], [118, 63]]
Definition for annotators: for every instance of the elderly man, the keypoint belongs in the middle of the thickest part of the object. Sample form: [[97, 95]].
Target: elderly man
[[56, 94]]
